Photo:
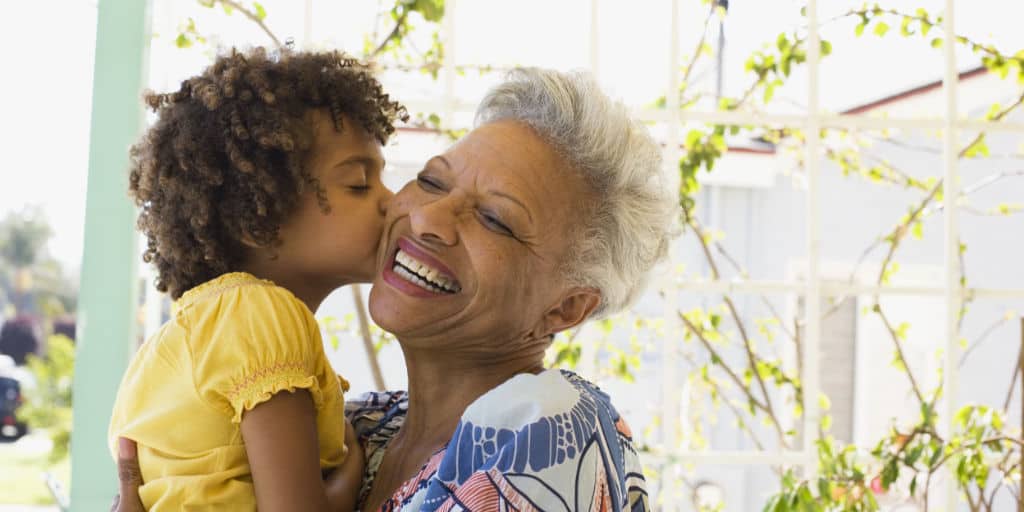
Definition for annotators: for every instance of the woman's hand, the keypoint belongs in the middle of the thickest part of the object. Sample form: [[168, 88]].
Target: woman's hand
[[344, 483], [129, 478]]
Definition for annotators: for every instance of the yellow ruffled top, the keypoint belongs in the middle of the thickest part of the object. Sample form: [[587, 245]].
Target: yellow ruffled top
[[231, 344]]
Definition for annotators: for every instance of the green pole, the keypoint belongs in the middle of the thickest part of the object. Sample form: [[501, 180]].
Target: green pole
[[109, 286]]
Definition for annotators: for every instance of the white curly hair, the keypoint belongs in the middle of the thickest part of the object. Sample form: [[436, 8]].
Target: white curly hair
[[636, 213]]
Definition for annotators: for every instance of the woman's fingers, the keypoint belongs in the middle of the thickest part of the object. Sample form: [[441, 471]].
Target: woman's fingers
[[129, 478]]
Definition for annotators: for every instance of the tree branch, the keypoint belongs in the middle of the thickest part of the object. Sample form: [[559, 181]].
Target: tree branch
[[735, 378], [399, 23], [254, 18], [748, 346], [899, 353], [732, 407], [700, 45], [988, 331]]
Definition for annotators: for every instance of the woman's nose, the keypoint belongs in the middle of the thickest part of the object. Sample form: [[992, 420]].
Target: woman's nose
[[436, 221]]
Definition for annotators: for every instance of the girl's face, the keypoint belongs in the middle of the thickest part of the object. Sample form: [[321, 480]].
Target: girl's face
[[337, 247]]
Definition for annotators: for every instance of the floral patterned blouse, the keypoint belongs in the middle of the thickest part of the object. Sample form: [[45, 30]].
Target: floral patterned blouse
[[545, 442]]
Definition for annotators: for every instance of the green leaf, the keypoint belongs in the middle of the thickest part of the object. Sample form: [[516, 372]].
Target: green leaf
[[913, 455], [824, 403], [881, 28], [937, 42], [207, 3], [826, 422], [183, 41], [993, 111], [769, 89], [859, 29], [826, 48], [431, 10], [978, 148], [905, 27], [890, 473], [927, 414], [917, 230], [261, 13], [782, 42], [692, 138]]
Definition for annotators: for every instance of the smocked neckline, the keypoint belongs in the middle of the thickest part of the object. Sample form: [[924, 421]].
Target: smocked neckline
[[217, 285]]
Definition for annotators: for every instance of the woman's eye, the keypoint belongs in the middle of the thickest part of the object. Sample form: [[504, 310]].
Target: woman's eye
[[427, 183], [494, 224], [359, 188]]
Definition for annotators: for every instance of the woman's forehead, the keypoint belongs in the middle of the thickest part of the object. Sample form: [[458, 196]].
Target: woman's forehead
[[504, 149]]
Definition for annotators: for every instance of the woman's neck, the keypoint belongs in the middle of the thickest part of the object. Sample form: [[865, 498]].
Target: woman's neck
[[442, 385]]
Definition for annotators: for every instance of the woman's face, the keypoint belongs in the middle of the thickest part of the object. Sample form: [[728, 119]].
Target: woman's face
[[471, 248]]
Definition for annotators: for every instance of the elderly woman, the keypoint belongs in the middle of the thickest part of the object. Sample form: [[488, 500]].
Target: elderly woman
[[551, 212]]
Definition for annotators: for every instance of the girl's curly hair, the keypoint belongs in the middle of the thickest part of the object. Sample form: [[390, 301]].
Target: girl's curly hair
[[226, 157]]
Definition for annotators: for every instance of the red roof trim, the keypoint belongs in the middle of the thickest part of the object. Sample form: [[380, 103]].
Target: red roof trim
[[909, 93]]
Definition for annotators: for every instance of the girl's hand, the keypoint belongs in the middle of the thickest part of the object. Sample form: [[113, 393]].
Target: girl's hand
[[129, 478], [344, 483]]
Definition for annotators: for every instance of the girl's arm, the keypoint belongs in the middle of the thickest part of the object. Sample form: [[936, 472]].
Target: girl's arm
[[281, 442], [344, 482]]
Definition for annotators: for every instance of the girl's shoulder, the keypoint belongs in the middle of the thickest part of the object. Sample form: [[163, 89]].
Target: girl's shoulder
[[238, 292], [241, 329], [238, 305]]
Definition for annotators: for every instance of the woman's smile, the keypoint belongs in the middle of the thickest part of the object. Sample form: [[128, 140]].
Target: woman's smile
[[411, 270]]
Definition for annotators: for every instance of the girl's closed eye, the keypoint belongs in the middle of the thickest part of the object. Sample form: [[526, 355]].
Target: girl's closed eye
[[356, 181]]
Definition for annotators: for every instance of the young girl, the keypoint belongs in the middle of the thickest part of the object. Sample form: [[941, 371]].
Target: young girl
[[260, 193]]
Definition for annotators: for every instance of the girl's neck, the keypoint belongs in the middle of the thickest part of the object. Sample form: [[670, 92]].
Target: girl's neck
[[309, 292]]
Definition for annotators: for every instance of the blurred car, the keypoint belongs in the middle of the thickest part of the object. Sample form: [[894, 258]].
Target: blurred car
[[10, 400]]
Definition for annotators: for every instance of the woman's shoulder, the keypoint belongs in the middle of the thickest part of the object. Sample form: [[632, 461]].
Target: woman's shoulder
[[526, 398], [551, 438]]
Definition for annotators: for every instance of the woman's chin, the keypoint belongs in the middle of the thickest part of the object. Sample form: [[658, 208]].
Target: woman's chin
[[398, 312], [388, 308]]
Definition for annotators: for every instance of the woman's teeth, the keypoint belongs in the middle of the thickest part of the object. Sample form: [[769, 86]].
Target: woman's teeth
[[422, 275]]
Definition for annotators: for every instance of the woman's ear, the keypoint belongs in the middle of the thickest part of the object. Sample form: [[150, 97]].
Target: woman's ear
[[575, 306]]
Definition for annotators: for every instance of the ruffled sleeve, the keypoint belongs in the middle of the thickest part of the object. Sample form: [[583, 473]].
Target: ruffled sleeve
[[251, 342]]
